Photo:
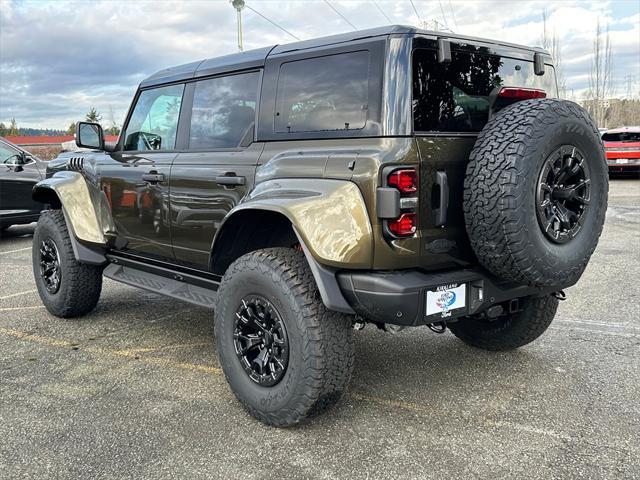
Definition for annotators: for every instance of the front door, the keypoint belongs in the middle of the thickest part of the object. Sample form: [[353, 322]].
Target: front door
[[136, 180], [218, 169], [18, 175]]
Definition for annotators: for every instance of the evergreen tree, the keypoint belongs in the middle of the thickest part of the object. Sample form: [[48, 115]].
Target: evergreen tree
[[72, 129], [93, 116], [3, 130]]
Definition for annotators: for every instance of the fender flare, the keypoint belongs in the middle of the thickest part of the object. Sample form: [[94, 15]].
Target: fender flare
[[329, 216], [331, 222], [71, 191]]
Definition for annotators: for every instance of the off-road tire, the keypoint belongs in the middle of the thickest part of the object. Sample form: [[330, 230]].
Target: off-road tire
[[510, 331], [500, 188], [80, 283], [321, 347]]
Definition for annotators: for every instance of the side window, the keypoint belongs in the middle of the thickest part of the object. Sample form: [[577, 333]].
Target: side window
[[154, 121], [323, 93], [224, 109]]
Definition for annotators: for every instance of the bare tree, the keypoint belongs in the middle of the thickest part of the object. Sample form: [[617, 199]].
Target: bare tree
[[551, 42], [113, 128], [600, 77]]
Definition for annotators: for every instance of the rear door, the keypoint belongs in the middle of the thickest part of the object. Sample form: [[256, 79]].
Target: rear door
[[451, 103], [217, 169]]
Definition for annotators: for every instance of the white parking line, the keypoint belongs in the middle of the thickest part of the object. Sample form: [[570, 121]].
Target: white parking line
[[18, 294], [601, 324], [14, 251]]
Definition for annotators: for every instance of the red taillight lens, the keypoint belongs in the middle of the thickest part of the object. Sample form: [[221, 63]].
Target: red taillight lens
[[404, 225], [404, 180], [521, 93]]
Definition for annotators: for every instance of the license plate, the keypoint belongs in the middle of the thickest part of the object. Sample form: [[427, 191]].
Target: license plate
[[622, 160], [446, 299]]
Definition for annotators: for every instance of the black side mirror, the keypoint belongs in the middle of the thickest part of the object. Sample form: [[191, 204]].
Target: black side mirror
[[89, 135]]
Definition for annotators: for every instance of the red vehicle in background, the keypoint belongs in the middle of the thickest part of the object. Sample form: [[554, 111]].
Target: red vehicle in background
[[622, 147]]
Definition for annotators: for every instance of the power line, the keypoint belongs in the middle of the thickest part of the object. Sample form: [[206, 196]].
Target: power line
[[453, 14], [416, 10], [341, 16], [272, 22], [382, 11], [444, 16]]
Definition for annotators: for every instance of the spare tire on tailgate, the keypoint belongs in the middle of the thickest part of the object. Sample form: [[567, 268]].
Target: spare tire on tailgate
[[535, 193]]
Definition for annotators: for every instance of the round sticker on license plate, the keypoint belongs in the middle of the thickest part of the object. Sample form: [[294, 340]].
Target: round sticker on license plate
[[445, 299]]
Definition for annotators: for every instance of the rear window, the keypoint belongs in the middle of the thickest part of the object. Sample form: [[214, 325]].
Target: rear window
[[454, 97], [621, 137], [323, 93]]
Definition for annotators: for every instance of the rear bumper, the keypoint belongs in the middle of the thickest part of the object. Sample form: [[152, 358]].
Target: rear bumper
[[623, 165], [399, 297]]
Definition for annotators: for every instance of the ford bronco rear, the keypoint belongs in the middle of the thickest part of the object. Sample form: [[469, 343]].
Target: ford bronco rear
[[392, 176]]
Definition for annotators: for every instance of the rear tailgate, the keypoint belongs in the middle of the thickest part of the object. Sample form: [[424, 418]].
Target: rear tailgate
[[451, 104], [443, 162]]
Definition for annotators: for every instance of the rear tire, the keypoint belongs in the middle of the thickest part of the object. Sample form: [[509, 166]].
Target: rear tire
[[68, 288], [275, 286], [510, 331]]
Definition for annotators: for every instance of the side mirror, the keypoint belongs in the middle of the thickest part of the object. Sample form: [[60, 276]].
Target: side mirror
[[89, 135]]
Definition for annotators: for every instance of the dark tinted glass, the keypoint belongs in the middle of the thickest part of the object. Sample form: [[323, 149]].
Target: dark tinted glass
[[324, 93], [224, 109], [454, 97], [154, 121], [621, 137]]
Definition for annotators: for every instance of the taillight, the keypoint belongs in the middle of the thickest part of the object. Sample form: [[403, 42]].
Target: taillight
[[404, 180], [521, 93], [404, 225], [397, 201]]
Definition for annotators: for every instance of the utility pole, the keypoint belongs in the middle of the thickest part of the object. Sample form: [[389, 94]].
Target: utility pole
[[239, 5]]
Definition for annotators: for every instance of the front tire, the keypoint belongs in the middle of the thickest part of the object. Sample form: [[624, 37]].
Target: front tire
[[510, 331], [67, 287], [285, 356]]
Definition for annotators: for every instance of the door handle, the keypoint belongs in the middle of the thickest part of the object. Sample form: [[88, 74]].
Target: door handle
[[153, 177], [230, 179], [443, 201]]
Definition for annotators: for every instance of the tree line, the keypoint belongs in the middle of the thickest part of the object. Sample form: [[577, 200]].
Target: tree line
[[92, 116]]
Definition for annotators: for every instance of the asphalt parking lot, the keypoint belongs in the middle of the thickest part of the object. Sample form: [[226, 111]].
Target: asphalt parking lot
[[135, 390]]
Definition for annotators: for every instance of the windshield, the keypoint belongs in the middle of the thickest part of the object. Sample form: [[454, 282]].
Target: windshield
[[455, 96]]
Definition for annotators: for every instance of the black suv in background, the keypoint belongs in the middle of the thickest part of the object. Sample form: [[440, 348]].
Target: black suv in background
[[393, 176]]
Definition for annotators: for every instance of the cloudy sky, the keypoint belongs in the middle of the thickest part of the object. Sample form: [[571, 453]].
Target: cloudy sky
[[59, 58]]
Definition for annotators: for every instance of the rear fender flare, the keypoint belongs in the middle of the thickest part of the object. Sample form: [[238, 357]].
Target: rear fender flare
[[329, 216]]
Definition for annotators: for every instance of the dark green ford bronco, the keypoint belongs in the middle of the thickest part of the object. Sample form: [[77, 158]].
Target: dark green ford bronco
[[391, 176]]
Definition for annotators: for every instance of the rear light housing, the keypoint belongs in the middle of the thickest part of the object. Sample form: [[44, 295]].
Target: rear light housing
[[515, 93], [404, 180], [403, 226], [401, 201]]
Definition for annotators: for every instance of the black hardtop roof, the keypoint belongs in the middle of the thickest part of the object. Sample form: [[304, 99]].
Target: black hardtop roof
[[256, 58]]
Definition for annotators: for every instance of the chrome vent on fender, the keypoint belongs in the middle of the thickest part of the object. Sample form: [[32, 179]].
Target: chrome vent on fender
[[76, 164]]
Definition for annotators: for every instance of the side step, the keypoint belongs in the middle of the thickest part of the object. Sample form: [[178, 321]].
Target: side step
[[170, 287]]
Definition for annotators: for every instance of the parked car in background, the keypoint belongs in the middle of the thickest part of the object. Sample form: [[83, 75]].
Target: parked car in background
[[19, 172], [622, 147]]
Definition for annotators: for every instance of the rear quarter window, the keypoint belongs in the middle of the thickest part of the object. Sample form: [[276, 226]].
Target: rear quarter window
[[323, 93], [455, 96]]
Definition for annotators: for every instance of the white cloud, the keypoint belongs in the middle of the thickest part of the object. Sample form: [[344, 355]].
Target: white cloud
[[57, 59]]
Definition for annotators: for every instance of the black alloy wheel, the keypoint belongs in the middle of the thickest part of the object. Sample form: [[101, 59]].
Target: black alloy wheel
[[50, 265], [260, 340], [563, 194]]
